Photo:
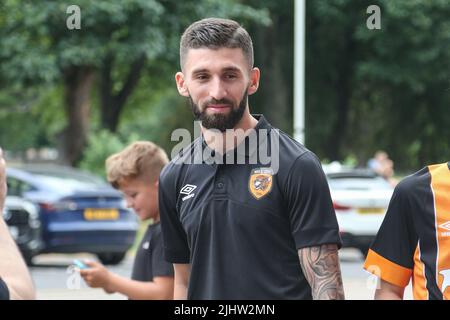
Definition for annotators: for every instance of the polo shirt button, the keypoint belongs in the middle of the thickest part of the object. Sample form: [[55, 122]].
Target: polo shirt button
[[220, 185]]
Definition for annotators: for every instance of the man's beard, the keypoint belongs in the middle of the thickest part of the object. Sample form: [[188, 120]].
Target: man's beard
[[219, 121]]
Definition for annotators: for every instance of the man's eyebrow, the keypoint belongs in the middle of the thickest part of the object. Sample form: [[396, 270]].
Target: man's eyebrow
[[226, 69], [235, 69], [203, 70]]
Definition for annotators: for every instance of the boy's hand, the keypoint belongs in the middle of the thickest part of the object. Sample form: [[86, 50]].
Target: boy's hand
[[96, 276]]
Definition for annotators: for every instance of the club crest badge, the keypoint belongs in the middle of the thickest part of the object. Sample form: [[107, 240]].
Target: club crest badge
[[260, 182]]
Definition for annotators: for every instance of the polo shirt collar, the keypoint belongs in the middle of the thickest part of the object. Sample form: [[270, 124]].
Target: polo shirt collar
[[249, 149]]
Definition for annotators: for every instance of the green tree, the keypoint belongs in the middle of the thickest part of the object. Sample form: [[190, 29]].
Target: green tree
[[379, 89], [115, 41]]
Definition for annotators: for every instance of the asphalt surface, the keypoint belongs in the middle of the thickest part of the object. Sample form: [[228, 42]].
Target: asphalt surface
[[56, 280]]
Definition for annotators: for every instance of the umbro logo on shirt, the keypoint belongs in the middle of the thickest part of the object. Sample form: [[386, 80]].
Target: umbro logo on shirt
[[187, 190], [146, 245], [446, 227]]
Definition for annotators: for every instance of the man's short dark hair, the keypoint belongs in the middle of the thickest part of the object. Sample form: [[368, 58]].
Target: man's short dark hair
[[215, 33]]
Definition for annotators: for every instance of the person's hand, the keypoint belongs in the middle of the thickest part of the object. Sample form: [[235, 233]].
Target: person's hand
[[3, 187], [96, 276]]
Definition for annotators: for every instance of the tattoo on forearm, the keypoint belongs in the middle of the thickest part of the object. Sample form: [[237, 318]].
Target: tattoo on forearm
[[321, 268]]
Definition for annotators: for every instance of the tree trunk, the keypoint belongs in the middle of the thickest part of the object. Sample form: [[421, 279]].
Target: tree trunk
[[112, 104], [273, 99], [344, 94], [78, 84]]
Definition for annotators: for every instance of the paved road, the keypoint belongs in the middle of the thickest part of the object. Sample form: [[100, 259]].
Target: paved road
[[55, 280]]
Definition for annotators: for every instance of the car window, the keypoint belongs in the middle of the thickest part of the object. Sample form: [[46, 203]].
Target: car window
[[66, 182], [17, 187], [376, 183], [79, 176]]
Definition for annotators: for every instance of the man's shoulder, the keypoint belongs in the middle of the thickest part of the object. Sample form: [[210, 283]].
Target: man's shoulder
[[415, 184], [295, 153], [289, 146]]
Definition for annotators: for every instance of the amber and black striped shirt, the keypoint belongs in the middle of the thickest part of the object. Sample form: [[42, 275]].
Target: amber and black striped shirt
[[414, 239]]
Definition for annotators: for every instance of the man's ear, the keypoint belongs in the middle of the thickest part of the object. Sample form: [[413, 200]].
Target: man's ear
[[254, 81], [181, 84]]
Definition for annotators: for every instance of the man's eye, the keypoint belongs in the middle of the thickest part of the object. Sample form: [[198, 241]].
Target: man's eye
[[202, 77], [231, 76]]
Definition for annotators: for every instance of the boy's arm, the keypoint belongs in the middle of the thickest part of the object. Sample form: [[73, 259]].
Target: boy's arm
[[161, 288], [97, 276]]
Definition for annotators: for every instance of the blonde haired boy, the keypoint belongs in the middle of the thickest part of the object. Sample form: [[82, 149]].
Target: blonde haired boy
[[135, 171]]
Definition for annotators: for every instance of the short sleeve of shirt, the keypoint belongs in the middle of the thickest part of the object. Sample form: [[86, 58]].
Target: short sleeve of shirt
[[309, 204], [160, 267], [176, 249], [391, 256], [4, 292]]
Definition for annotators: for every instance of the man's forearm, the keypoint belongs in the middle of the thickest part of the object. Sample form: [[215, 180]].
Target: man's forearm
[[180, 291], [181, 281], [321, 268], [12, 267], [387, 291]]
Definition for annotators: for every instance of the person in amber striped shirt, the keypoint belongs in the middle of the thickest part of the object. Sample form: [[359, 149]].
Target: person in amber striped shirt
[[413, 242]]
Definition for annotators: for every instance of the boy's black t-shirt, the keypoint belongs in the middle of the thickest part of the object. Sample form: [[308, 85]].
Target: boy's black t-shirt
[[149, 261]]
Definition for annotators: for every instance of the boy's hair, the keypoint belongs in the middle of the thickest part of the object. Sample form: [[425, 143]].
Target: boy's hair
[[215, 33], [141, 159]]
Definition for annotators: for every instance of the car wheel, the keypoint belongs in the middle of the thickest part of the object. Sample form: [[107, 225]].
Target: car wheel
[[111, 258]]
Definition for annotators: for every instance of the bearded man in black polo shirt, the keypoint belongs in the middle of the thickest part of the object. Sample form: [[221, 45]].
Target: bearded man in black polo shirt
[[235, 225]]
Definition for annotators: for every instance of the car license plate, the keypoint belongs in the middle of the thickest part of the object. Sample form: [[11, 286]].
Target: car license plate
[[370, 210], [101, 214]]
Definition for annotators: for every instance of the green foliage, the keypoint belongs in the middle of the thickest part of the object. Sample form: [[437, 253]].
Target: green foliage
[[398, 80], [393, 83], [163, 114], [37, 48], [101, 145]]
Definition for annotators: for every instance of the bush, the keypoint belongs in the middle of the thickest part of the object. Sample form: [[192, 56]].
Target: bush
[[100, 146]]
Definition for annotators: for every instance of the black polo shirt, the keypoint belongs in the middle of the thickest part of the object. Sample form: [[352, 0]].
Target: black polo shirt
[[149, 261], [240, 225], [4, 292]]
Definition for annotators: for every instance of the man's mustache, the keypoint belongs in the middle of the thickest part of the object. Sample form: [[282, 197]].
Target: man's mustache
[[221, 101]]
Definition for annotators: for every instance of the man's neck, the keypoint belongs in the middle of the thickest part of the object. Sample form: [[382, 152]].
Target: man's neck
[[224, 141]]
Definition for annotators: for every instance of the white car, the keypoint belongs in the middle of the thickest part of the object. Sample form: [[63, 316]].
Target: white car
[[360, 199]]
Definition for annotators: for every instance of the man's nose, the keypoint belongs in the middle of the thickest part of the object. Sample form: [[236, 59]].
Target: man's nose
[[217, 89]]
